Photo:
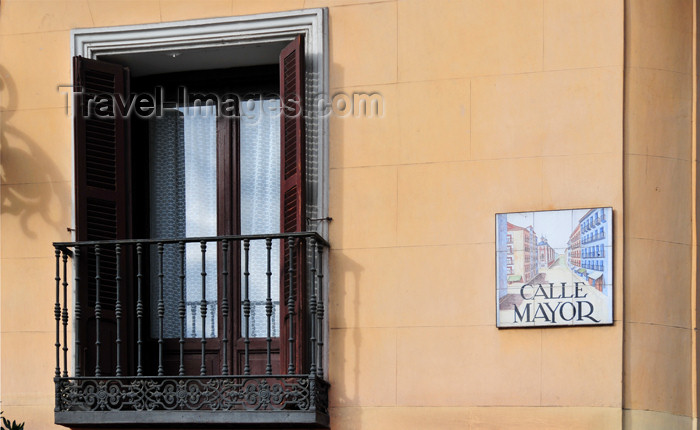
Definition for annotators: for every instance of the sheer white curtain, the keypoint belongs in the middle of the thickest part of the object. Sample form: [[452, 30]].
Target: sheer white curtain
[[183, 203], [200, 215], [182, 181], [260, 205]]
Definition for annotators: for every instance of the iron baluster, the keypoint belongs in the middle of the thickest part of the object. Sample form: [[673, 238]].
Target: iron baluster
[[268, 307], [139, 308], [312, 308], [212, 305], [224, 304], [203, 307], [98, 311], [246, 306], [65, 314], [161, 309], [312, 391], [319, 312], [118, 309], [77, 311], [193, 318], [181, 309], [57, 312], [290, 304]]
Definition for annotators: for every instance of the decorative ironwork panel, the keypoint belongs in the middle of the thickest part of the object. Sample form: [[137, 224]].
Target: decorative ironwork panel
[[215, 393]]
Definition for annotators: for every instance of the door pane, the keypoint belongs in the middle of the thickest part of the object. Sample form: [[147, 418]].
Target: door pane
[[183, 203], [260, 206]]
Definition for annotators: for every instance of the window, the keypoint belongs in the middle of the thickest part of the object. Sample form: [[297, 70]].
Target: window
[[156, 302]]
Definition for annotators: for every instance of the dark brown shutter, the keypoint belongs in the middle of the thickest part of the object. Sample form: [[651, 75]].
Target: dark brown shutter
[[293, 210], [101, 164], [100, 153]]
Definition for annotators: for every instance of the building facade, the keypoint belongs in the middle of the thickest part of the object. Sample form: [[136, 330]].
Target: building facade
[[545, 254], [263, 278], [573, 254], [523, 255], [596, 242]]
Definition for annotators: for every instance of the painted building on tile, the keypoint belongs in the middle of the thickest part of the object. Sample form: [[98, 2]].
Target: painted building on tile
[[574, 249], [596, 243], [281, 213], [545, 254], [522, 253]]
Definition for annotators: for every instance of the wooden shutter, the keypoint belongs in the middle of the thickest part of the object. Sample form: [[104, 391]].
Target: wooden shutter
[[293, 209], [101, 166]]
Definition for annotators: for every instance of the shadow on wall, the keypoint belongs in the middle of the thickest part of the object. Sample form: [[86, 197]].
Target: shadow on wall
[[346, 352], [29, 199], [346, 362]]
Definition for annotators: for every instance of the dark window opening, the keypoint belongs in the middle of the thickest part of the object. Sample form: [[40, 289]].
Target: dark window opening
[[192, 171]]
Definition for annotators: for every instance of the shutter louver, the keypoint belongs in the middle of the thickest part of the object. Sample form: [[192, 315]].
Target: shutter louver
[[293, 213], [291, 209], [101, 157]]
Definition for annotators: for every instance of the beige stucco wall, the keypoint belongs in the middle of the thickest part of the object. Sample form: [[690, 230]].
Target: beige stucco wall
[[658, 327], [491, 106]]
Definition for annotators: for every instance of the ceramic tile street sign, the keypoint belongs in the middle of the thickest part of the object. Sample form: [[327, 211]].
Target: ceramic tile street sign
[[554, 268]]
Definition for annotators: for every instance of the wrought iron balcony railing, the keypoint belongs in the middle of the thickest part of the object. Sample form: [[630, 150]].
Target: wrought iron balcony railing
[[133, 345]]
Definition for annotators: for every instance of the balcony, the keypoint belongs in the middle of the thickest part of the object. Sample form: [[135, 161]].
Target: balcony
[[238, 358]]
